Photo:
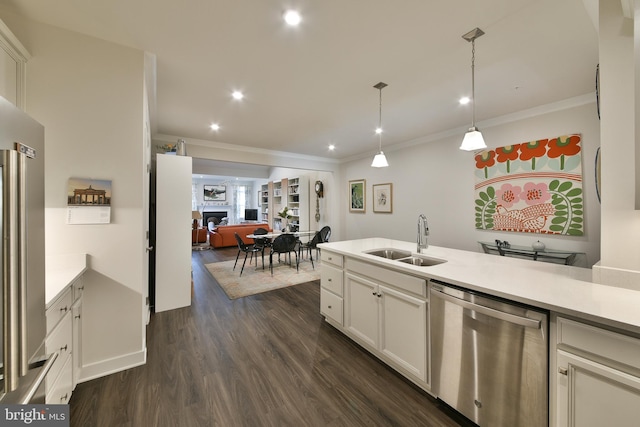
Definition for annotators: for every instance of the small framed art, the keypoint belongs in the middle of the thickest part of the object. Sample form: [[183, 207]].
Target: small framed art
[[357, 196], [383, 198]]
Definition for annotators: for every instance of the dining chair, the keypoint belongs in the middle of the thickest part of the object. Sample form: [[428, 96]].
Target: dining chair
[[311, 244], [247, 249], [284, 244]]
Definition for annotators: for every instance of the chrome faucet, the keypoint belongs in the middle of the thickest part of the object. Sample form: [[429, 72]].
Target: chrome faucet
[[423, 232]]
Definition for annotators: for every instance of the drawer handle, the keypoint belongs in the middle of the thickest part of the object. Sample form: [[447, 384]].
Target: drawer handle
[[81, 288], [328, 306], [65, 309], [64, 398], [77, 316], [562, 371], [330, 259], [328, 280], [64, 348]]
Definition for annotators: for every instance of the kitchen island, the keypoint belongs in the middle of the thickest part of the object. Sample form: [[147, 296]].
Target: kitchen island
[[594, 330]]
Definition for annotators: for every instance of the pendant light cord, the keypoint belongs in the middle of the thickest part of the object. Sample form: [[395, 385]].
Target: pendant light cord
[[380, 123], [473, 89]]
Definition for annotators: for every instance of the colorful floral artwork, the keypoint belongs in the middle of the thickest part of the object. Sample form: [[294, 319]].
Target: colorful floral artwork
[[532, 187]]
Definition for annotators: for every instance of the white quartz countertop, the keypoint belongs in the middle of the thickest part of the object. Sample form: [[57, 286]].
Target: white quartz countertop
[[61, 270], [563, 289]]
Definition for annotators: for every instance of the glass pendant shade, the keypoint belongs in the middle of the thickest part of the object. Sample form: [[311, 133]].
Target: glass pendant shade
[[473, 140], [379, 161]]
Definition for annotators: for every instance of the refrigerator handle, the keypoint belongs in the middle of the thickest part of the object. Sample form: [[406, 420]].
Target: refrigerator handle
[[12, 331], [22, 261]]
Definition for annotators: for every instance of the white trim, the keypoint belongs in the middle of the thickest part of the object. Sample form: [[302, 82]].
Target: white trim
[[113, 365], [10, 44]]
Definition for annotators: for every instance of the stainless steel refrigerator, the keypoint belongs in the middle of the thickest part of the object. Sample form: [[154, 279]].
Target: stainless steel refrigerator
[[22, 267]]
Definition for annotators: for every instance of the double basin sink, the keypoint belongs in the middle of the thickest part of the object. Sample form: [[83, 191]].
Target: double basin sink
[[406, 257]]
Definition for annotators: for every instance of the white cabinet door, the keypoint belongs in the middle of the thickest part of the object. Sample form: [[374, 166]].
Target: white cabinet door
[[404, 331], [76, 312], [591, 394], [362, 309]]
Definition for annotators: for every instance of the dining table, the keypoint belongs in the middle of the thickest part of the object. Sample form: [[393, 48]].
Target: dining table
[[274, 234]]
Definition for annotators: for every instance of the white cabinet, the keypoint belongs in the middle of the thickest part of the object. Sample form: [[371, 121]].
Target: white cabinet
[[64, 338], [383, 310], [173, 232], [331, 287], [597, 380], [390, 321]]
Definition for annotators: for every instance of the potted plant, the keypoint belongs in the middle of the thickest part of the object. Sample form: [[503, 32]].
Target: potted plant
[[284, 214]]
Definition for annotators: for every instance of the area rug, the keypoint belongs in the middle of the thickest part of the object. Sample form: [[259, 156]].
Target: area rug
[[255, 281]]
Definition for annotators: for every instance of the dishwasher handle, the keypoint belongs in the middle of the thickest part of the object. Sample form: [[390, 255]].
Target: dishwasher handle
[[519, 320]]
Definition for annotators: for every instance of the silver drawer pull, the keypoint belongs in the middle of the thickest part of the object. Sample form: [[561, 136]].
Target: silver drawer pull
[[63, 348], [64, 398], [562, 371], [65, 309]]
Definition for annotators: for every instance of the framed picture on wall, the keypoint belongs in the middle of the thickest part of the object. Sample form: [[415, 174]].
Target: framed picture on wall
[[215, 193], [357, 196], [383, 198]]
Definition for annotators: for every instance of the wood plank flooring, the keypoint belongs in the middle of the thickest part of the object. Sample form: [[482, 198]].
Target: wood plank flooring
[[264, 360]]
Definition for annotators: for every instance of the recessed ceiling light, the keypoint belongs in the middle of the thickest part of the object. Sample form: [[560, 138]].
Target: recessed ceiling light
[[332, 147], [378, 131], [237, 95], [292, 18], [215, 126], [464, 100]]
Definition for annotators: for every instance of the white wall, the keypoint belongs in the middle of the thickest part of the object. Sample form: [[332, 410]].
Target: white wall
[[437, 179], [620, 264], [88, 94]]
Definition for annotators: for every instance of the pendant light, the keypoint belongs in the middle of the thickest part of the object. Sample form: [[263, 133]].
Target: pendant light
[[380, 161], [473, 139]]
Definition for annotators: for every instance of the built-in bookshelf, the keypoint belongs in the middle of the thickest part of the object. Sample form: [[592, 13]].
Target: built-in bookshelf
[[264, 202], [292, 193]]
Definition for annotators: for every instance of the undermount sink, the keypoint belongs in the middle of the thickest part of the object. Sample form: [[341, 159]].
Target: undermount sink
[[422, 261], [390, 253], [405, 257]]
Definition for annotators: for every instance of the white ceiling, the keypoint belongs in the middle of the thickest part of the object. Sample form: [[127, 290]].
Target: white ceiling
[[311, 86]]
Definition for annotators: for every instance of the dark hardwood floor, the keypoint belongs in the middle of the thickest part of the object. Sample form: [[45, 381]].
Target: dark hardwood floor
[[265, 360]]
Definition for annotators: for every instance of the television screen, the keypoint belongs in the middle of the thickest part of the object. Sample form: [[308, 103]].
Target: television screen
[[251, 214]]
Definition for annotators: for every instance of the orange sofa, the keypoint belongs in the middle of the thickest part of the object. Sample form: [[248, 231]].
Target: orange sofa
[[223, 235]]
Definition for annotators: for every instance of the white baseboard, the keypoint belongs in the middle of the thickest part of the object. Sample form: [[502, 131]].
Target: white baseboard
[[111, 366]]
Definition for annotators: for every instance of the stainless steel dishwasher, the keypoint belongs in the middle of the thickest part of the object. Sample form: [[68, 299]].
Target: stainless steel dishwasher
[[489, 357]]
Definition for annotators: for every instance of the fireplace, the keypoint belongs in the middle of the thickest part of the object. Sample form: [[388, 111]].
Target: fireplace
[[215, 214]]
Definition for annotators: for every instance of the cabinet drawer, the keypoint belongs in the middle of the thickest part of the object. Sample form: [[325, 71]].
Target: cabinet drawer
[[611, 345], [405, 282], [60, 391], [78, 288], [331, 258], [331, 279], [60, 341], [331, 305], [60, 307]]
